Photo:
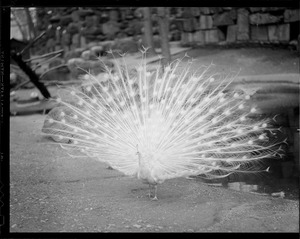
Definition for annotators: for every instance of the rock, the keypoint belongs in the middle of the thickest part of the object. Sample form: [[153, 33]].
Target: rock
[[259, 33], [57, 47], [75, 39], [83, 12], [107, 45], [175, 35], [74, 62], [137, 226], [191, 38], [66, 38], [92, 44], [96, 50], [184, 39], [195, 11], [75, 16], [56, 62], [76, 53], [126, 45], [231, 33], [223, 19], [222, 43], [55, 18], [86, 55], [205, 10], [73, 28], [93, 30], [187, 38], [293, 43], [196, 24], [211, 36], [139, 12], [136, 26], [90, 21], [279, 194], [279, 33], [114, 15], [187, 13], [233, 13], [216, 9], [95, 67], [263, 18], [206, 22], [178, 12], [273, 33], [110, 29], [50, 44], [291, 15], [199, 37], [242, 24], [56, 114], [188, 25], [82, 41], [66, 20], [272, 9], [255, 9]]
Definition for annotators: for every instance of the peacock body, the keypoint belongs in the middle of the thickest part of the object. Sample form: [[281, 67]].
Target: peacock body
[[158, 125]]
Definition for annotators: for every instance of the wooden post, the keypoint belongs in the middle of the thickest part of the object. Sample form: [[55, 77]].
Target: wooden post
[[163, 22], [148, 31]]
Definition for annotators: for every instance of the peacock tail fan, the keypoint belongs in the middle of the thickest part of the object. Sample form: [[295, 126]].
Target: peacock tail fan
[[185, 122]]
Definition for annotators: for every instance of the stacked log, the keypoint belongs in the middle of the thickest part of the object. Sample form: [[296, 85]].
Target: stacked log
[[77, 27]]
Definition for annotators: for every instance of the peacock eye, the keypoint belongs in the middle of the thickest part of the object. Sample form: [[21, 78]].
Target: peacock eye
[[243, 118], [236, 95], [261, 137]]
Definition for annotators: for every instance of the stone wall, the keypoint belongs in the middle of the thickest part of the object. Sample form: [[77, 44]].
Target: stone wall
[[71, 28], [229, 25]]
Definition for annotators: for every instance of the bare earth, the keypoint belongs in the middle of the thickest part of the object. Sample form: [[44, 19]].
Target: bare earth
[[52, 192]]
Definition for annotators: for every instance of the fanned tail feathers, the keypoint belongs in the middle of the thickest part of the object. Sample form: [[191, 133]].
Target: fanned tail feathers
[[184, 122]]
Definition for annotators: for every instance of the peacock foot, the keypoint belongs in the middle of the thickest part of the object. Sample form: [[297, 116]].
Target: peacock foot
[[154, 199]]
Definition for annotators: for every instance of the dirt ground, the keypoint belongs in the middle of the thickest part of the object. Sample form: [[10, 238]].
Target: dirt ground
[[51, 192]]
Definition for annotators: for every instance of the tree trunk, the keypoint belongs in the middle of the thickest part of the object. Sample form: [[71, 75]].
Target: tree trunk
[[24, 35], [148, 31], [163, 22], [32, 76], [31, 29]]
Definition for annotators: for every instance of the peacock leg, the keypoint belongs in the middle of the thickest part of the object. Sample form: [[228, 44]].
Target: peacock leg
[[155, 192], [149, 191]]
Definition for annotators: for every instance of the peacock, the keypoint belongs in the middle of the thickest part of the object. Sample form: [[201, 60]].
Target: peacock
[[162, 122]]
